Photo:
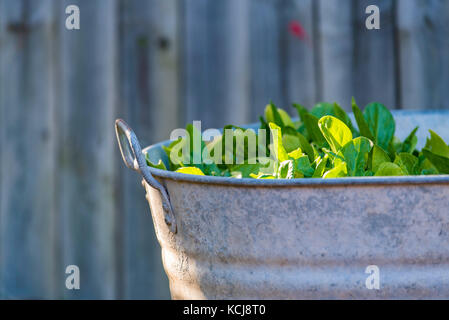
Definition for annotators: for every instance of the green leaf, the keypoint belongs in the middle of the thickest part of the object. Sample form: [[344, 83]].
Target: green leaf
[[407, 162], [306, 147], [246, 170], [436, 145], [264, 126], [176, 148], [280, 152], [263, 123], [343, 116], [286, 120], [381, 123], [437, 152], [336, 133], [272, 115], [293, 140], [389, 169], [262, 176], [426, 167], [337, 172], [190, 170], [290, 139], [285, 170], [394, 147], [302, 167], [295, 154], [268, 165], [209, 169], [311, 124], [334, 158], [321, 167], [361, 122], [323, 109], [378, 157], [302, 111], [159, 165], [440, 162], [331, 109], [410, 142], [428, 172], [355, 154]]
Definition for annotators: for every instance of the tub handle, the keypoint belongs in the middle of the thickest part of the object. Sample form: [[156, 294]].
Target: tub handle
[[133, 157]]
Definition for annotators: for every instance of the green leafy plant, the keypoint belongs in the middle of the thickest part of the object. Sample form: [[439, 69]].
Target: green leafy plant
[[323, 143]]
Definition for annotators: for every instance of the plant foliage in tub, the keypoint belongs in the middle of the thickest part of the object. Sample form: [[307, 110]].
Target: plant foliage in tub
[[324, 143]]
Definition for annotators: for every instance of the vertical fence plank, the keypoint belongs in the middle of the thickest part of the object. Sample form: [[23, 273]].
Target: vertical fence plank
[[150, 103], [266, 55], [337, 48], [300, 55], [215, 56], [374, 57], [27, 235], [88, 149], [424, 53], [165, 70], [237, 55]]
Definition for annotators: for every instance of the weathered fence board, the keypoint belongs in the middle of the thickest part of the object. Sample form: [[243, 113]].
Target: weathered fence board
[[237, 104], [265, 55], [27, 236], [149, 100], [88, 149], [300, 58], [335, 36], [375, 56], [424, 53], [215, 62]]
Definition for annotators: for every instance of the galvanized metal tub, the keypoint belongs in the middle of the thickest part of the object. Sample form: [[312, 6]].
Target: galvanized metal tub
[[226, 238]]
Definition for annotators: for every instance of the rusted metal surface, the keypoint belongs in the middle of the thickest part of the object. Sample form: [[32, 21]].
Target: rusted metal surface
[[306, 238]]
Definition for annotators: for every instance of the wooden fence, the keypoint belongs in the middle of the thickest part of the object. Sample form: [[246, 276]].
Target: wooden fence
[[65, 196]]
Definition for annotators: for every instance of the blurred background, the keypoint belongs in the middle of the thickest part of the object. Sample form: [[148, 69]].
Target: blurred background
[[65, 195]]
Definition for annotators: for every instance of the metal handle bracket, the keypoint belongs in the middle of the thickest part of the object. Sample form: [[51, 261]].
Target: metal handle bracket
[[133, 157]]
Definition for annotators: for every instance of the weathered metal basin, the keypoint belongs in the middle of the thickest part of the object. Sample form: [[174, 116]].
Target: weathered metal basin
[[225, 238]]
